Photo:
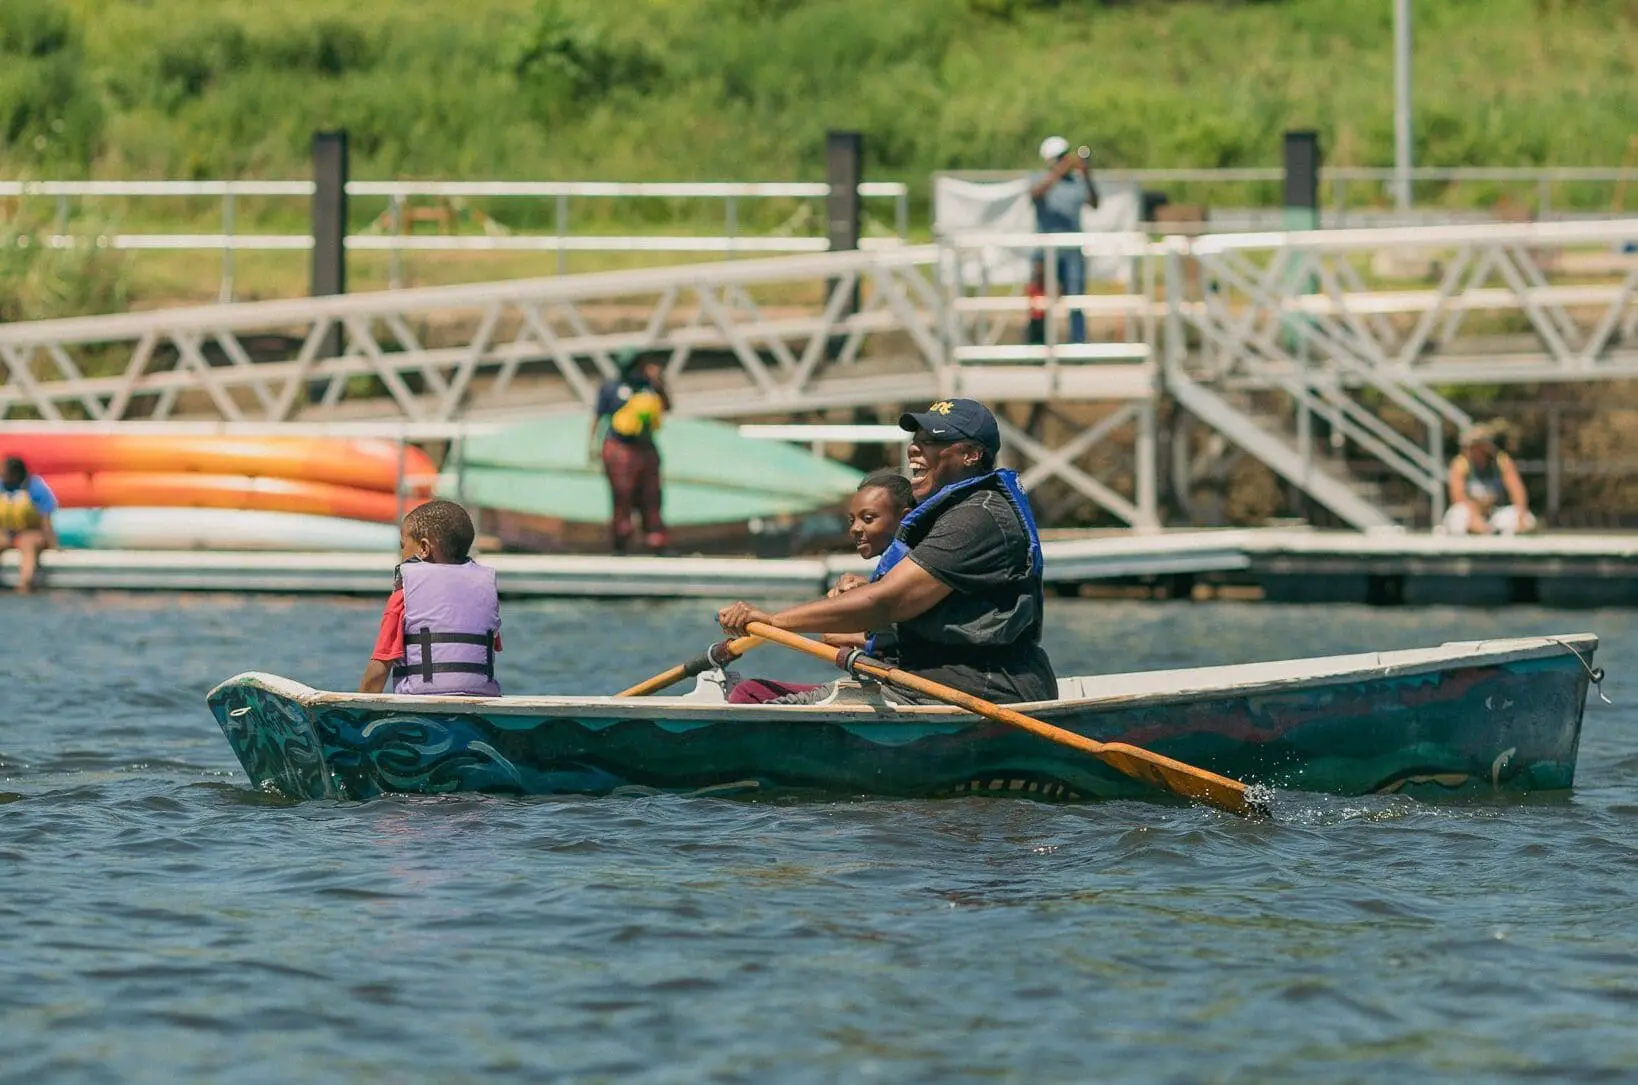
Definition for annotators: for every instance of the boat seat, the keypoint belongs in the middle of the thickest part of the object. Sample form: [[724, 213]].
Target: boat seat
[[712, 688]]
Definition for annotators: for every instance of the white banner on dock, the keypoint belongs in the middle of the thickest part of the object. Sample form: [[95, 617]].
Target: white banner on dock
[[1004, 207]]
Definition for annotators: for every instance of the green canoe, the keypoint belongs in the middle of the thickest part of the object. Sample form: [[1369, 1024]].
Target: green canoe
[[711, 475]]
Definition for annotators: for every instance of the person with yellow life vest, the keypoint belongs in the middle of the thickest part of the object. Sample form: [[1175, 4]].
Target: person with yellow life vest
[[26, 507], [630, 409]]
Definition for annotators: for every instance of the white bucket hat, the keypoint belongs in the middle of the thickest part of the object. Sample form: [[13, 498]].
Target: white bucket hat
[[1054, 148]]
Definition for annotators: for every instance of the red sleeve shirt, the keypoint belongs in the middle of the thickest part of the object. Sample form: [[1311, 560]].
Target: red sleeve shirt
[[389, 642]]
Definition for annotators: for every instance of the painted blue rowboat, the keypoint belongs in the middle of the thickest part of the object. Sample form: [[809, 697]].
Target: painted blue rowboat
[[1470, 717]]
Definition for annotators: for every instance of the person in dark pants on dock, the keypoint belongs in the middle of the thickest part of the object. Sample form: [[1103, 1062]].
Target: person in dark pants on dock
[[961, 585], [1059, 192], [630, 409]]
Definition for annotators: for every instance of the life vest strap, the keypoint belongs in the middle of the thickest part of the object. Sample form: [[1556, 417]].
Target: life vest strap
[[425, 671], [426, 668]]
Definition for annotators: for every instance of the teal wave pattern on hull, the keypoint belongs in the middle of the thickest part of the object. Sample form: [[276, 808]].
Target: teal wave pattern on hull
[[1511, 726]]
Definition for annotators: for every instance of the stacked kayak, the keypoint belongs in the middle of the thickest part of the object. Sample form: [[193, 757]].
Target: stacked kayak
[[152, 491]]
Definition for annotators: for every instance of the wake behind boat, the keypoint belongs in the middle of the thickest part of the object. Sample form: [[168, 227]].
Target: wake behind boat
[[1466, 717]]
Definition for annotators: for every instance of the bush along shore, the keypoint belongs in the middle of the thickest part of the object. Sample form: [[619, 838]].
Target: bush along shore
[[745, 89]]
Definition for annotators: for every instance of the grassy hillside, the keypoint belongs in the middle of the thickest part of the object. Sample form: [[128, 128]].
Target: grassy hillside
[[745, 89], [710, 89]]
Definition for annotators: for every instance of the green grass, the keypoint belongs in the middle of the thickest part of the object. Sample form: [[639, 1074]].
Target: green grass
[[746, 89], [712, 89]]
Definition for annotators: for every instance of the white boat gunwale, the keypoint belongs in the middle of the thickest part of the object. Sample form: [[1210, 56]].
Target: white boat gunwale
[[1393, 664]]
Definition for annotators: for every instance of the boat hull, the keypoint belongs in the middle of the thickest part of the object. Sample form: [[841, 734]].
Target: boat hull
[[1507, 722]]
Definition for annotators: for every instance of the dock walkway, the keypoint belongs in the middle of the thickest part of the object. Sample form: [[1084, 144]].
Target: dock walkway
[[1293, 565]]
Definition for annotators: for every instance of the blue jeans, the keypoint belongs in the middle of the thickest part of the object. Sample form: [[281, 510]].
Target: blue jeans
[[1072, 280]]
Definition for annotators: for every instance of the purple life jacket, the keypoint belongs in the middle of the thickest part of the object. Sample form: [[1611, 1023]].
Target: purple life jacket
[[451, 615]]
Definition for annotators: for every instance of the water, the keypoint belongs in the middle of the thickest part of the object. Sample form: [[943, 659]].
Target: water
[[161, 922]]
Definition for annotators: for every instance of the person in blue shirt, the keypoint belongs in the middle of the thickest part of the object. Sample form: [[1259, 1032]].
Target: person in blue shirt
[[1059, 192], [26, 507]]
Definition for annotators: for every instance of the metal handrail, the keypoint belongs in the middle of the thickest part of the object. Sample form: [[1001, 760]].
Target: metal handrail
[[1242, 174], [497, 189], [560, 241]]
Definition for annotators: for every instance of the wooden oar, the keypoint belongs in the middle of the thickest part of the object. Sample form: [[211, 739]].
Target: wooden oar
[[1136, 762], [719, 654]]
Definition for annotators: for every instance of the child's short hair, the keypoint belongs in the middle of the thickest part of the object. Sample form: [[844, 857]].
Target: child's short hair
[[445, 525], [896, 485]]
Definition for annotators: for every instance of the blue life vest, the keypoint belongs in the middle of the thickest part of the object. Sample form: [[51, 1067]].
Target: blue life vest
[[1003, 479]]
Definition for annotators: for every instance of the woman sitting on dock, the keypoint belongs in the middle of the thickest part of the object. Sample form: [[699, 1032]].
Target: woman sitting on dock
[[967, 605], [1487, 496], [26, 507]]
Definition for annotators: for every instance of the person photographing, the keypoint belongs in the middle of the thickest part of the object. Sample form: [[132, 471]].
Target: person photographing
[[1059, 192]]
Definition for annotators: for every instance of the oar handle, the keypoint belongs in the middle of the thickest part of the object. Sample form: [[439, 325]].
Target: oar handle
[[719, 654], [1152, 768], [848, 659]]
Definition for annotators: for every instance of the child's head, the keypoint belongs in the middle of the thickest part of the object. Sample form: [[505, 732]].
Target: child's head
[[439, 531], [878, 505], [14, 473]]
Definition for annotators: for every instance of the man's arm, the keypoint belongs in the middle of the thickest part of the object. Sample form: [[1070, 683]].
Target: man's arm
[[1051, 177], [1513, 483], [1086, 174], [1458, 481], [907, 591]]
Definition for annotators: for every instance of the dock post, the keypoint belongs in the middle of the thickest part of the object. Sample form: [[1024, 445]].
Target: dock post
[[844, 165], [1302, 162], [329, 269]]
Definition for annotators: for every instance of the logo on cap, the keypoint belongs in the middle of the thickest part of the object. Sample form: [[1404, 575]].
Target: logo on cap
[[943, 406]]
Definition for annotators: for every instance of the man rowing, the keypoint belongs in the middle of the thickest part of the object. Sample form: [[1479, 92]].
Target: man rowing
[[961, 584]]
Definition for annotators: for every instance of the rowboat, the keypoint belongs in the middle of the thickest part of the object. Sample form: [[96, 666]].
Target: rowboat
[[1471, 717]]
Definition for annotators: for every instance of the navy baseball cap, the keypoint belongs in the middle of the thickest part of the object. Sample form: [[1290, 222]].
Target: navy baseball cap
[[956, 420]]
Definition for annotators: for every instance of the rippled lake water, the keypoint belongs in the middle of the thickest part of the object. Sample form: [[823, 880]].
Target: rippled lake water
[[160, 921]]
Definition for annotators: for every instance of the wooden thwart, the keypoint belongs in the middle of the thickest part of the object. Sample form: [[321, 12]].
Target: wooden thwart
[[718, 655], [1140, 764]]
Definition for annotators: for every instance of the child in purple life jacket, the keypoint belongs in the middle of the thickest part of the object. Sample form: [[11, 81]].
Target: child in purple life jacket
[[441, 629]]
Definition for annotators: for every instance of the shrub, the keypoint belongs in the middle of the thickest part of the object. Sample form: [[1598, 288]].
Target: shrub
[[41, 283], [50, 115]]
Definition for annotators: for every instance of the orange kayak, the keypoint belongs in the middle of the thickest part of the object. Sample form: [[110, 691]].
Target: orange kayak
[[114, 489], [365, 464]]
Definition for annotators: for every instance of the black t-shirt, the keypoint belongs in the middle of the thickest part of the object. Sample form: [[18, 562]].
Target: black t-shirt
[[984, 637]]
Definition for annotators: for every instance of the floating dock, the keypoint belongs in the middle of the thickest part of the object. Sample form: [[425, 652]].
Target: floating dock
[[1293, 565]]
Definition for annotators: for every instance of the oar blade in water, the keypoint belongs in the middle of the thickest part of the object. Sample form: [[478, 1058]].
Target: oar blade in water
[[1187, 781], [1154, 769]]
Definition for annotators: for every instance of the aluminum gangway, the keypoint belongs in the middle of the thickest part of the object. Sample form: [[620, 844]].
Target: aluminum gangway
[[1252, 342]]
